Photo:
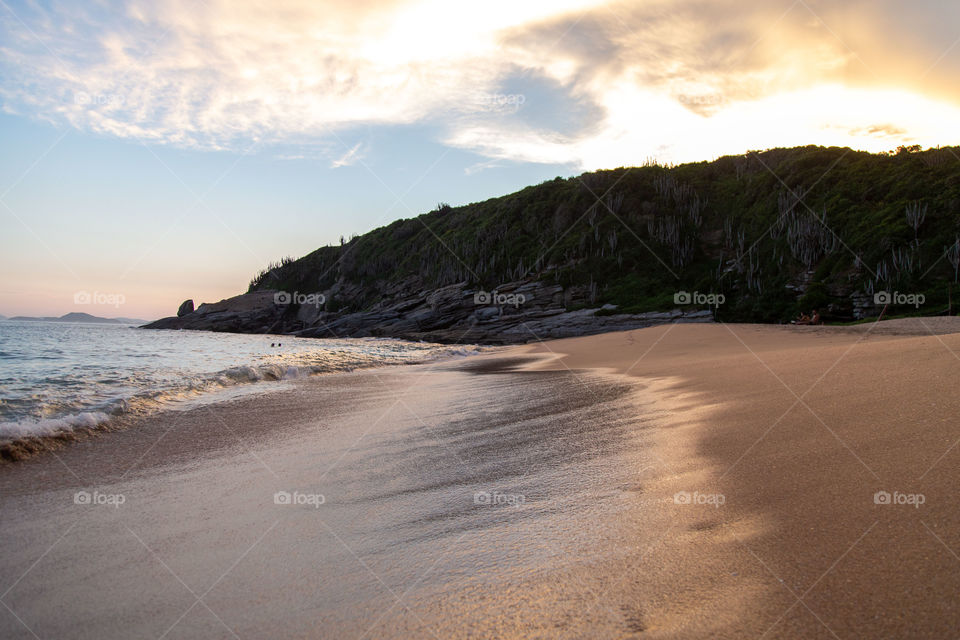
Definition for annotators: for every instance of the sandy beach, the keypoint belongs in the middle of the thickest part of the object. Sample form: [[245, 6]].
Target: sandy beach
[[410, 319], [682, 481], [798, 428]]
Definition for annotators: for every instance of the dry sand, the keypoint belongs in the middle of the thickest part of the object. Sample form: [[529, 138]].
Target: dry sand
[[797, 428]]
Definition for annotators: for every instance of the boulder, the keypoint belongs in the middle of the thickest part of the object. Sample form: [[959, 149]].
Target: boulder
[[185, 308]]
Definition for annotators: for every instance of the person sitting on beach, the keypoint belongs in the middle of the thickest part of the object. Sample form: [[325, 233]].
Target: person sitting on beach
[[804, 319], [816, 318]]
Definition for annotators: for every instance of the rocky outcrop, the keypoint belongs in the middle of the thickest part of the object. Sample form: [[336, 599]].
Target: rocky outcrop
[[515, 313], [247, 313], [185, 307]]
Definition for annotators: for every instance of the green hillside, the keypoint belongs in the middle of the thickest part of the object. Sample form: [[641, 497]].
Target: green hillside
[[774, 232]]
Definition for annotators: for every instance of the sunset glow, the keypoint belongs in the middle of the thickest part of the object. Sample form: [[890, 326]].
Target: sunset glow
[[552, 87]]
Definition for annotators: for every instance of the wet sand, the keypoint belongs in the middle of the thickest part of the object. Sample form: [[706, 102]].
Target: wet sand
[[723, 487], [458, 500]]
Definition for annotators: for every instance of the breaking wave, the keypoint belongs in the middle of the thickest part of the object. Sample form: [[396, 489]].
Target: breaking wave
[[141, 372]]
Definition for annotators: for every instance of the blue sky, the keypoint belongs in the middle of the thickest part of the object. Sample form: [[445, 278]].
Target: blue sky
[[170, 149], [94, 213]]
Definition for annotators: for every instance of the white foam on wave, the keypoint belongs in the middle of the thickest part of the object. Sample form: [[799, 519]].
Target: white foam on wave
[[33, 428], [149, 400]]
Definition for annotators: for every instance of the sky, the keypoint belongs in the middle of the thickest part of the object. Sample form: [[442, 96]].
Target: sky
[[153, 151]]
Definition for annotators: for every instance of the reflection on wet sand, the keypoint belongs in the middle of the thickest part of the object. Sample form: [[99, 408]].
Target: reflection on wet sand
[[457, 500]]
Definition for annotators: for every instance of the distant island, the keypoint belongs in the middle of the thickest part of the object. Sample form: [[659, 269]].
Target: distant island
[[759, 237], [79, 317]]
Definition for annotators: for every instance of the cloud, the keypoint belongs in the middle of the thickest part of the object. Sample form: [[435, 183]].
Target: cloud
[[688, 79], [880, 131], [482, 166], [590, 83], [828, 115], [351, 157], [217, 74]]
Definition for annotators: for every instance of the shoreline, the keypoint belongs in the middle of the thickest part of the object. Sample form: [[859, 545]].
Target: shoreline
[[403, 458], [26, 437], [775, 534]]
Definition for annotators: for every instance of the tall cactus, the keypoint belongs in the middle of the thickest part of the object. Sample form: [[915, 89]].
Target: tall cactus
[[916, 214]]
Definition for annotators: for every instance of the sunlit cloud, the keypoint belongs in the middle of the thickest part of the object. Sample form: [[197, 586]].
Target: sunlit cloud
[[587, 83], [353, 155], [831, 115]]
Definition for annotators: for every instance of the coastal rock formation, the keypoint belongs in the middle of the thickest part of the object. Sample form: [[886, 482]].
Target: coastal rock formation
[[185, 308], [515, 313], [756, 238], [247, 313]]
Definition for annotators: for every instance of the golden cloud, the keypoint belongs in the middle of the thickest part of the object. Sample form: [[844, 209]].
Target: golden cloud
[[682, 80]]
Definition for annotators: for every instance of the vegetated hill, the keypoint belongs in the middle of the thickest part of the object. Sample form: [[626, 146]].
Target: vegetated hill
[[775, 232], [74, 316]]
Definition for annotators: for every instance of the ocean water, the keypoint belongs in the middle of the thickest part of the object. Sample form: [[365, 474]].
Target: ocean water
[[55, 377]]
